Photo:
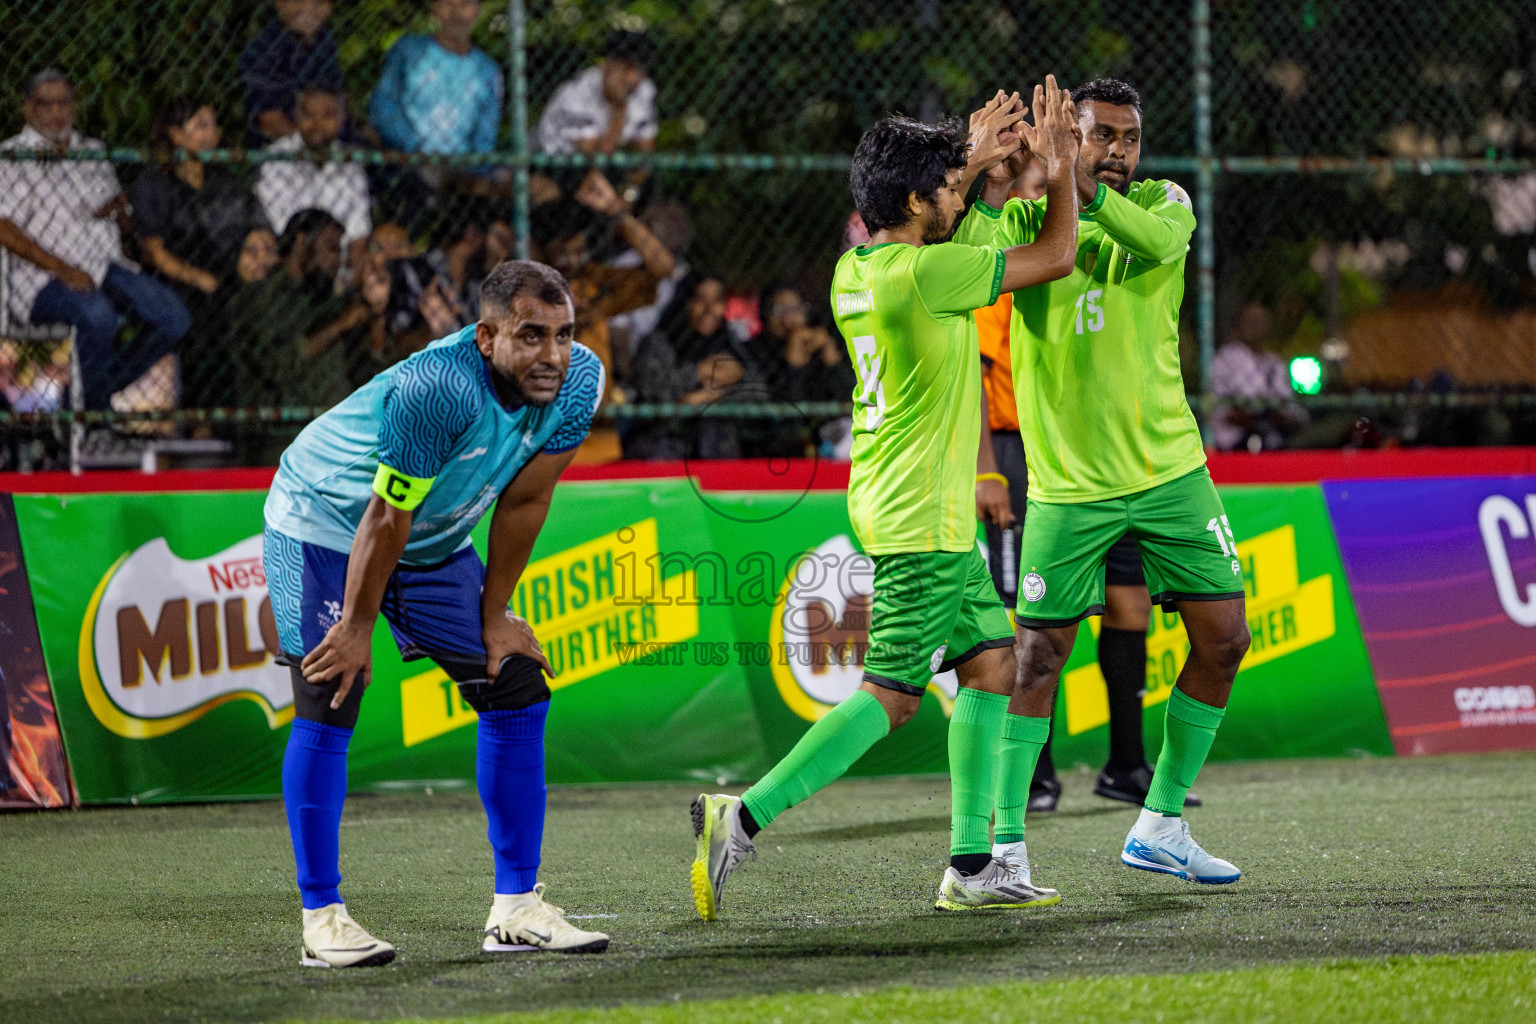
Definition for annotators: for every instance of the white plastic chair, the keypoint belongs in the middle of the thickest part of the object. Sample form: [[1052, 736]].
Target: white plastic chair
[[45, 334]]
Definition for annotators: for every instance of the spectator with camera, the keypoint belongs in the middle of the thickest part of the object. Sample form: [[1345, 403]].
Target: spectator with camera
[[61, 220]]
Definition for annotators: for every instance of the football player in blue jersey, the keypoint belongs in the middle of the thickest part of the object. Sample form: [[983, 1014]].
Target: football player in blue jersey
[[371, 513]]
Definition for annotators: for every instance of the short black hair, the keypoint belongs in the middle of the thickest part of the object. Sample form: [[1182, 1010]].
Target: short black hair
[[309, 221], [173, 115], [631, 47], [522, 277], [1108, 90], [900, 156]]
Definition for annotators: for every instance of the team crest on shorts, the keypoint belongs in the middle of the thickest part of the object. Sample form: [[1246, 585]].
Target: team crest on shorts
[[1032, 586], [938, 658]]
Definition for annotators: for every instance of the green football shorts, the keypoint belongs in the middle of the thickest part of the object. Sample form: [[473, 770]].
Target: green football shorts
[[1187, 548], [932, 610]]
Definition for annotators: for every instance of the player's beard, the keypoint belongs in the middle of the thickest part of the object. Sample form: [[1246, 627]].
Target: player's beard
[[935, 230], [1123, 185], [509, 391]]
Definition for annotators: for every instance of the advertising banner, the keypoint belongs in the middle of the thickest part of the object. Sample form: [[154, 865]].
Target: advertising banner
[[696, 635], [33, 770], [1444, 577]]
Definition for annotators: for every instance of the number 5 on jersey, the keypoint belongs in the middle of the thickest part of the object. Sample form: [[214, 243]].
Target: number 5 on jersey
[[871, 395], [1090, 302]]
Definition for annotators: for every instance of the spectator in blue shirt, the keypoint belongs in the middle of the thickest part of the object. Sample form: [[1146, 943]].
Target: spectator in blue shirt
[[294, 52], [440, 94]]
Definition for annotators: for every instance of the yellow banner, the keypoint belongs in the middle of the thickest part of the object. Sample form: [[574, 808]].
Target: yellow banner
[[593, 607], [1284, 615]]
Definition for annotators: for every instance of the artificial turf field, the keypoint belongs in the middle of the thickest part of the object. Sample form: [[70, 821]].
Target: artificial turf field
[[1375, 890]]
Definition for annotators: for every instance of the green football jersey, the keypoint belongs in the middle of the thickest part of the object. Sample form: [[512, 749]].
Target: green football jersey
[[1102, 407], [905, 313]]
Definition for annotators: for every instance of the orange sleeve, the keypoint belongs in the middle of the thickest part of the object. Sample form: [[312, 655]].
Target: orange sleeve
[[992, 328], [992, 324]]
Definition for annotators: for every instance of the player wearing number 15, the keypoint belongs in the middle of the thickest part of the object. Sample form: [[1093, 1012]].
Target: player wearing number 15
[[903, 302], [1112, 446]]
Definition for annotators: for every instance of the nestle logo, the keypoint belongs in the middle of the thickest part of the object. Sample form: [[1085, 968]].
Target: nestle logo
[[237, 574]]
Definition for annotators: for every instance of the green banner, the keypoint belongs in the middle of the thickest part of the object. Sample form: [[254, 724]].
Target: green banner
[[695, 636]]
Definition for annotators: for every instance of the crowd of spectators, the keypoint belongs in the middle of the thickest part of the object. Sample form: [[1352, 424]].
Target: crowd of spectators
[[292, 279]]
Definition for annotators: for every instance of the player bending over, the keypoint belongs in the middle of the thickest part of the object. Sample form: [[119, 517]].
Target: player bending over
[[371, 512], [903, 303], [1113, 448]]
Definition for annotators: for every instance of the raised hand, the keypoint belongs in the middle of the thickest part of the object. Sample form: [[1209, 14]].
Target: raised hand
[[994, 138], [1055, 136]]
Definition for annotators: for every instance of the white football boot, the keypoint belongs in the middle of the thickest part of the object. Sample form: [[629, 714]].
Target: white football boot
[[1016, 857], [995, 887], [721, 845], [333, 939], [525, 924], [1163, 844]]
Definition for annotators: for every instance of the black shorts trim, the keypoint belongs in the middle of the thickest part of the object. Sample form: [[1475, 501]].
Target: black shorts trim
[[895, 684], [1166, 598], [985, 645], [1028, 623]]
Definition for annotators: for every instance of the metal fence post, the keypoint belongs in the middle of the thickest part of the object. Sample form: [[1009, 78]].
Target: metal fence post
[[517, 92], [1205, 187]]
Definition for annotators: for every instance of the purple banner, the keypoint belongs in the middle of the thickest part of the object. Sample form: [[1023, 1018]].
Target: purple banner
[[1443, 573]]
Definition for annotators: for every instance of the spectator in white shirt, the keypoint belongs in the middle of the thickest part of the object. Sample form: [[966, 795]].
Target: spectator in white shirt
[[1245, 367], [316, 181], [607, 107], [60, 219]]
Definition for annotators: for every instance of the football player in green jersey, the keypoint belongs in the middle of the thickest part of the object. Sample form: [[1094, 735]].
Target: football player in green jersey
[[903, 303], [1113, 449]]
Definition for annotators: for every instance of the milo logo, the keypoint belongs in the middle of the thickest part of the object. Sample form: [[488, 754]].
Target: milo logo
[[166, 639]]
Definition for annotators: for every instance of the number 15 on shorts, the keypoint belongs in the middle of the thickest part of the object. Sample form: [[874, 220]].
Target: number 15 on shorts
[[1223, 531]]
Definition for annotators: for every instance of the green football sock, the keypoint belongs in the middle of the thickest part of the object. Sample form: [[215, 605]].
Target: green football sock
[[1023, 737], [825, 752], [975, 733], [1188, 731]]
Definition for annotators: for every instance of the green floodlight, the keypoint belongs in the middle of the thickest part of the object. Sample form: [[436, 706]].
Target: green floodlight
[[1307, 375]]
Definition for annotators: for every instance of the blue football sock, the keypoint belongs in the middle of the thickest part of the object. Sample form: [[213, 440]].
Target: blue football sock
[[509, 767], [314, 788]]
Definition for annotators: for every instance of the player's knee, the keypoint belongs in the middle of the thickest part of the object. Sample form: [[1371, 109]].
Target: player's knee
[[1038, 663], [1226, 650], [312, 701], [520, 684]]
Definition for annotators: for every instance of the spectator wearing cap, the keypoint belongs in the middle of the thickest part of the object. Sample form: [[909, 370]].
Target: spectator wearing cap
[[318, 181], [439, 94], [293, 52], [60, 217], [607, 107]]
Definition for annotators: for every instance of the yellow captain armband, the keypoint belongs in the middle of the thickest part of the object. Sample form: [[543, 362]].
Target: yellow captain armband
[[403, 492]]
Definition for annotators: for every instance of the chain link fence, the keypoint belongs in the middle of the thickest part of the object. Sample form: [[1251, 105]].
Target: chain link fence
[[312, 190]]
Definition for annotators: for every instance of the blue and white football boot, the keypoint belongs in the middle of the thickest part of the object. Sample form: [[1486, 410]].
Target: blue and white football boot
[[1161, 844]]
